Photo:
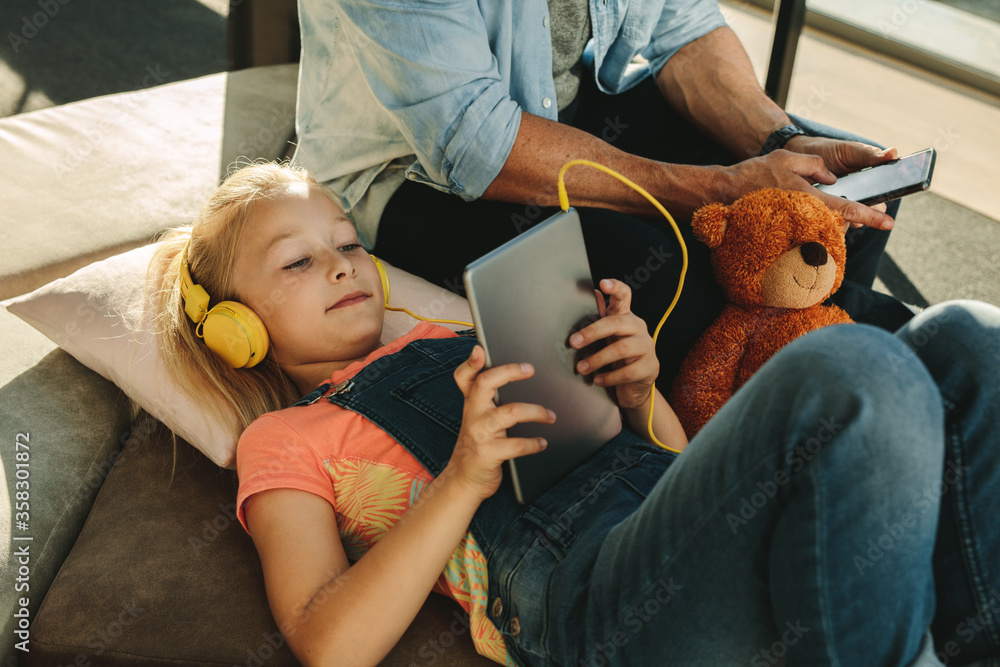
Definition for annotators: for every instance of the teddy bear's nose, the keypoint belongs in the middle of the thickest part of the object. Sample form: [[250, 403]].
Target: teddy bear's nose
[[813, 254]]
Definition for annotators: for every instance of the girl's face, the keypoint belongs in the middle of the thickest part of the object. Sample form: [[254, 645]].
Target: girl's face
[[301, 269]]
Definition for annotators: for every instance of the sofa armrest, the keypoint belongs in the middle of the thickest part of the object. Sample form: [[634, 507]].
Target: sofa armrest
[[73, 423]]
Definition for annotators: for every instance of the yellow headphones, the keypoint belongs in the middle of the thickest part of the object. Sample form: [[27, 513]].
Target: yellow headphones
[[231, 329]]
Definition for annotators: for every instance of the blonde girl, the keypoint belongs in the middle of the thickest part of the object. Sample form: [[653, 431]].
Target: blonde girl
[[384, 482]]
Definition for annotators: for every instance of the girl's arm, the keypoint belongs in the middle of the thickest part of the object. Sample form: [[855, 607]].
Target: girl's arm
[[331, 612], [666, 426]]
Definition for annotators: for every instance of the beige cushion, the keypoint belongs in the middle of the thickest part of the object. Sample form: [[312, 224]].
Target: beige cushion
[[96, 314], [90, 179], [89, 314]]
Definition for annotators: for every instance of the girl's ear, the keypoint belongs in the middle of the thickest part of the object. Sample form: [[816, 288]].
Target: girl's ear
[[709, 224]]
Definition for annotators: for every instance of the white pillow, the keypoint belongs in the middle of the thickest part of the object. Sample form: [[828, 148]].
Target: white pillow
[[96, 315]]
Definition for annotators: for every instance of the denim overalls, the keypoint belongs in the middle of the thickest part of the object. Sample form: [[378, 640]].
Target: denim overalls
[[412, 396]]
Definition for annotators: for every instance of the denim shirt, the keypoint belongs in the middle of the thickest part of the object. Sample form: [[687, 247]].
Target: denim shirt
[[432, 90]]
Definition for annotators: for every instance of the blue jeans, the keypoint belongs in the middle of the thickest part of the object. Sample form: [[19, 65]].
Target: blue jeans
[[842, 504]]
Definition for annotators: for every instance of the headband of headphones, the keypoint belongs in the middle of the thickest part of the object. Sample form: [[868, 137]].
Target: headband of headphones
[[194, 296]]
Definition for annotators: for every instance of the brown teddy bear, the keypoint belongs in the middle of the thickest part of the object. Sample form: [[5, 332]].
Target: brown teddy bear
[[777, 254]]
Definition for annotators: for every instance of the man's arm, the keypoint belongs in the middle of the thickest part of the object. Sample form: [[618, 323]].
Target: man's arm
[[543, 146], [711, 81], [425, 88], [712, 84]]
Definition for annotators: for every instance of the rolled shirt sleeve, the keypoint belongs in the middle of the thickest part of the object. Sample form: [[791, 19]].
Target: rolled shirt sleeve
[[430, 65], [680, 23], [654, 30]]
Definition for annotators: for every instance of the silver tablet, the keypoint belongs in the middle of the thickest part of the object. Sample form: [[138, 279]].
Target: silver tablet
[[527, 297]]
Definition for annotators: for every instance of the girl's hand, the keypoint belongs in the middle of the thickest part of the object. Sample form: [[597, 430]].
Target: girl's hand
[[629, 350], [483, 444]]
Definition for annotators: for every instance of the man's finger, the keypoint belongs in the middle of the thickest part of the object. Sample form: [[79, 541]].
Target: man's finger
[[860, 155], [881, 208], [887, 154], [809, 166], [856, 213]]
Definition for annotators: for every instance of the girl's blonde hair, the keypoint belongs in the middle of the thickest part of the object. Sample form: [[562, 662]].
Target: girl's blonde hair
[[215, 237]]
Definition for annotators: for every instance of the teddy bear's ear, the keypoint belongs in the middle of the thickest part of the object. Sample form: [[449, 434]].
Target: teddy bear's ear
[[709, 224]]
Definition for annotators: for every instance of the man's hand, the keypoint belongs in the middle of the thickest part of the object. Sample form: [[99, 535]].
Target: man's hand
[[843, 157], [798, 171]]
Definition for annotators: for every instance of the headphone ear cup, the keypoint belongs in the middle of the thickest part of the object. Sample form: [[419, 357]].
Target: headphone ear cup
[[385, 278], [236, 334]]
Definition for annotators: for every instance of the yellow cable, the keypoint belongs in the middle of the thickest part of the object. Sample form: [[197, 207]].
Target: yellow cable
[[564, 204], [428, 319], [387, 288]]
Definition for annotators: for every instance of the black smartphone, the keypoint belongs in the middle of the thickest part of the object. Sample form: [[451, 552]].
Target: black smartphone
[[885, 182]]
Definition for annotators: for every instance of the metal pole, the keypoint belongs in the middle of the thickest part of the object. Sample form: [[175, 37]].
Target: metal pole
[[239, 39], [789, 17]]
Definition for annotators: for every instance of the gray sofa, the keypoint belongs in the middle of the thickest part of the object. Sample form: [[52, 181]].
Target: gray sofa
[[135, 556]]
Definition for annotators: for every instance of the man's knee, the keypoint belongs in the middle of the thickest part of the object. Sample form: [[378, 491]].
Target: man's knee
[[869, 381], [863, 361], [956, 327]]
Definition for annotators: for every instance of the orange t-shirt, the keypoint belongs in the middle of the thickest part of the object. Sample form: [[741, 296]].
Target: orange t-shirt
[[368, 478]]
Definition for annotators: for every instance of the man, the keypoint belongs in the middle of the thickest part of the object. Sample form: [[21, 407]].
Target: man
[[485, 101]]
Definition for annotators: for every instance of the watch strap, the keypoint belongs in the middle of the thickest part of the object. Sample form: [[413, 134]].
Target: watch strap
[[780, 137]]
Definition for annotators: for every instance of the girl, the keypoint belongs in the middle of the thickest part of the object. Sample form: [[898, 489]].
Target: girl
[[837, 511]]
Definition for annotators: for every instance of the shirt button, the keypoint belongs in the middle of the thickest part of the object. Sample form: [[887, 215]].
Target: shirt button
[[547, 102], [515, 627], [410, 175], [497, 608], [545, 22]]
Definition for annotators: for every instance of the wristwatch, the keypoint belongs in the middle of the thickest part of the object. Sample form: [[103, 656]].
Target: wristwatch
[[780, 137]]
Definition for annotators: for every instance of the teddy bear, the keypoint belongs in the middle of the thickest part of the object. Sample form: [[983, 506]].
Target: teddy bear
[[778, 255]]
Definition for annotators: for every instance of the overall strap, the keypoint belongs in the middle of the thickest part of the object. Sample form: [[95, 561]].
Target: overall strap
[[412, 396]]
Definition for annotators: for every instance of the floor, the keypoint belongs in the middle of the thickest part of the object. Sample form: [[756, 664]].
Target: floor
[[66, 50], [946, 244]]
